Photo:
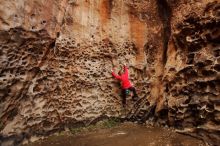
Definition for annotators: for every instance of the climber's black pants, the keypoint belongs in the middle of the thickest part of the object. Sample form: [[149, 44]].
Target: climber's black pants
[[134, 97]]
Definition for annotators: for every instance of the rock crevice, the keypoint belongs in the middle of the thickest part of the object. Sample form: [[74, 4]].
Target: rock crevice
[[165, 13]]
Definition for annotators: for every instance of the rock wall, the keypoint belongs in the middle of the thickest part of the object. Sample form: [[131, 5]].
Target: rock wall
[[191, 80], [56, 61], [56, 58]]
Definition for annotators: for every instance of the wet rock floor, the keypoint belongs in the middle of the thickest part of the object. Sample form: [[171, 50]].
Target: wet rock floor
[[126, 134]]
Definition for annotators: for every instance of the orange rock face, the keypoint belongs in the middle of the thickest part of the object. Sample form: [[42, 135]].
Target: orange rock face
[[56, 58]]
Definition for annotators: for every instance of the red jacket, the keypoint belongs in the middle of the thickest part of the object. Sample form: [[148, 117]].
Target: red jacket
[[123, 78]]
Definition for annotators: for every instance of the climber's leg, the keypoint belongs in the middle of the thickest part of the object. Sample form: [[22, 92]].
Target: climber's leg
[[123, 93], [135, 96]]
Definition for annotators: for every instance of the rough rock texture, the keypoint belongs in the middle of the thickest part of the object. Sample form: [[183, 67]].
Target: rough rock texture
[[192, 78], [56, 57]]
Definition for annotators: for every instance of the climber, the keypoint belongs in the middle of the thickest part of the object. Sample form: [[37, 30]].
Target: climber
[[126, 85]]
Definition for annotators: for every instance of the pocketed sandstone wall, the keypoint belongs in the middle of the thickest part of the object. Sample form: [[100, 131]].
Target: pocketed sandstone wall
[[56, 58], [191, 78]]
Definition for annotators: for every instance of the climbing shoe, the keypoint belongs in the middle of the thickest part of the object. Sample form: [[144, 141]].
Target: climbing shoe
[[135, 98]]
